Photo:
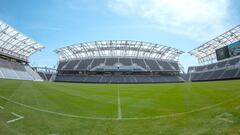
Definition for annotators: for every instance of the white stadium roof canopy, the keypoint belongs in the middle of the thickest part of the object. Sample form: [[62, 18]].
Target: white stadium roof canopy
[[206, 52], [118, 48], [15, 44]]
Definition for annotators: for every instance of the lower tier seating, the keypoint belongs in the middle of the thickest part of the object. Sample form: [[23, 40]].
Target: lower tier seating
[[118, 78], [226, 69], [12, 70], [220, 74]]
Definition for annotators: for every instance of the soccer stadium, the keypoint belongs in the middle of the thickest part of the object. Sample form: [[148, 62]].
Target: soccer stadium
[[118, 61], [119, 87], [123, 84]]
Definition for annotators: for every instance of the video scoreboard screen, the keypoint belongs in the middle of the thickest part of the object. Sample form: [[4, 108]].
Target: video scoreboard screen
[[222, 53], [234, 49], [228, 51]]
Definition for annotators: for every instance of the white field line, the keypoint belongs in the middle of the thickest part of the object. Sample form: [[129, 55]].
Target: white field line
[[133, 118], [119, 105], [226, 120], [19, 117], [56, 113], [1, 107]]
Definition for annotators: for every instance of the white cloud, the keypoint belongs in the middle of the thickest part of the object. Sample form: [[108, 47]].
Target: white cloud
[[195, 18]]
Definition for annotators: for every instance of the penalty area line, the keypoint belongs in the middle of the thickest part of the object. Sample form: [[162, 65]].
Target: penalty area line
[[226, 120], [19, 117], [56, 113]]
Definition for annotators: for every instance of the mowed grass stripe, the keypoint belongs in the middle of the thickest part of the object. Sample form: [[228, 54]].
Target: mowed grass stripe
[[136, 100], [55, 97], [119, 104], [161, 99], [120, 118], [188, 108]]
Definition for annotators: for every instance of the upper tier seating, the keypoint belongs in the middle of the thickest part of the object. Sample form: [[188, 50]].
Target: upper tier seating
[[153, 65], [84, 64], [71, 65], [119, 64], [111, 61], [97, 62], [125, 61], [165, 65], [139, 62]]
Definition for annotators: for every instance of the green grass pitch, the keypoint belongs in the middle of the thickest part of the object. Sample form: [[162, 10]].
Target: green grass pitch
[[42, 108]]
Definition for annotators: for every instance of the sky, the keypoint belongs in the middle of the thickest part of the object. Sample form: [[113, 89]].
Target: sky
[[182, 24]]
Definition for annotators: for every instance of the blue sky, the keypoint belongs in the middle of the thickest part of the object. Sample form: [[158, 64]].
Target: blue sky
[[183, 24]]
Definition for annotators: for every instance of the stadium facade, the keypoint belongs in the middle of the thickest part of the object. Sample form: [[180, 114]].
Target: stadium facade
[[219, 58], [15, 50], [120, 61]]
